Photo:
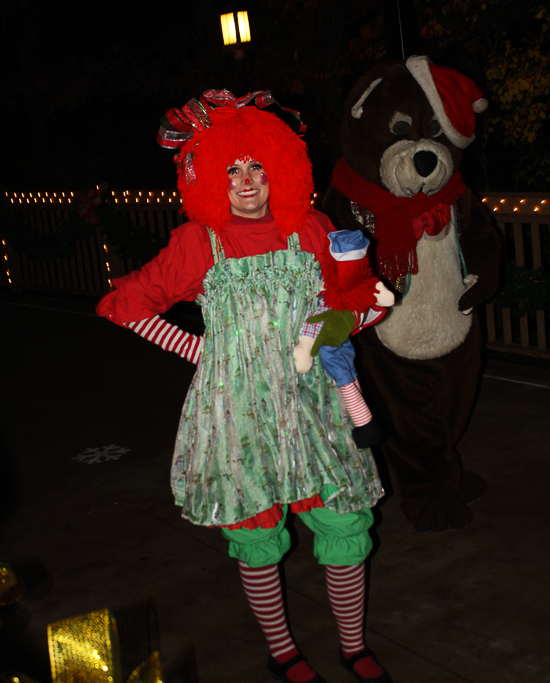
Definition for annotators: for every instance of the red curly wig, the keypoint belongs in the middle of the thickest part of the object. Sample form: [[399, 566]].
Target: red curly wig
[[246, 133]]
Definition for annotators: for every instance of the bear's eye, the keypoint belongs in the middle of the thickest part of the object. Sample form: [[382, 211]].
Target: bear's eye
[[401, 124], [434, 128]]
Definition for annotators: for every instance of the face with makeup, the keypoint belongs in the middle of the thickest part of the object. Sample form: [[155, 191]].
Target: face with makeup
[[248, 188]]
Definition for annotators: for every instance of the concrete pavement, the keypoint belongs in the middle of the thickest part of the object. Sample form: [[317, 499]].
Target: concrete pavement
[[89, 414]]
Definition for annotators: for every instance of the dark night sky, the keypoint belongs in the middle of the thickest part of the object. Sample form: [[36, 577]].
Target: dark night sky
[[85, 90], [85, 86]]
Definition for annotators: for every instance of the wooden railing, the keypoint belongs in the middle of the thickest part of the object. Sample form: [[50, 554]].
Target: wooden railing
[[523, 219], [92, 266], [525, 223]]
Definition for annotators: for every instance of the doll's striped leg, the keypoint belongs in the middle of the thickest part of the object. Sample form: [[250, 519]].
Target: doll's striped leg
[[366, 432], [338, 361], [355, 403]]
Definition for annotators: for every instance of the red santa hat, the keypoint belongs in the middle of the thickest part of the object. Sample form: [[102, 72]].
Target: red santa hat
[[455, 98], [349, 283]]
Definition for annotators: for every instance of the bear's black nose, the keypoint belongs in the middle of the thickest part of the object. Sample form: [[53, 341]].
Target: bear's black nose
[[425, 162]]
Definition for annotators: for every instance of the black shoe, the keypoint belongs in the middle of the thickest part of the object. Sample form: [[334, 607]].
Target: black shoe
[[348, 664], [367, 435], [278, 671]]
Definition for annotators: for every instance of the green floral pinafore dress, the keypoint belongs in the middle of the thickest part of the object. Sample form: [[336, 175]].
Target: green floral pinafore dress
[[254, 432]]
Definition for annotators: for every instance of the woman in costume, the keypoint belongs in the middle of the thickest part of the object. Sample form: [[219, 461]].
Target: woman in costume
[[256, 438]]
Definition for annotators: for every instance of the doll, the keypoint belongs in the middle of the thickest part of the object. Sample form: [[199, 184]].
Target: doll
[[346, 270]]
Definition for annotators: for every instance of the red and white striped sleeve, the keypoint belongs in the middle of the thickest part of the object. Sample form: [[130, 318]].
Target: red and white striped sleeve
[[169, 337]]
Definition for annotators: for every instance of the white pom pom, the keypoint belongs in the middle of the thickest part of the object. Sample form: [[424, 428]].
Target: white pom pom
[[480, 105]]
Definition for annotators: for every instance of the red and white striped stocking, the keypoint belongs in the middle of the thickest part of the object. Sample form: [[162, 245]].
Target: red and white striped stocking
[[262, 586], [346, 592]]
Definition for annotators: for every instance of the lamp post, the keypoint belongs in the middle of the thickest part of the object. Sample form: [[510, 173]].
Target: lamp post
[[236, 38]]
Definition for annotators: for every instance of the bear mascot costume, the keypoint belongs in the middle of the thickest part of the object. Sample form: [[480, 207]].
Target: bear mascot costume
[[405, 128]]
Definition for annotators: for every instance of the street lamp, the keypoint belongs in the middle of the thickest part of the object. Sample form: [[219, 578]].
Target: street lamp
[[231, 38], [236, 37]]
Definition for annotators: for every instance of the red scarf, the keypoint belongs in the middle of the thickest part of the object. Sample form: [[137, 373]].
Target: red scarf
[[400, 221]]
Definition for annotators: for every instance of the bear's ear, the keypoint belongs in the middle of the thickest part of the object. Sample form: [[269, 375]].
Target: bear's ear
[[357, 108]]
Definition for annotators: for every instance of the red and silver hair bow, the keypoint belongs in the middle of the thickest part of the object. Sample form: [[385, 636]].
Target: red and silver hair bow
[[178, 126]]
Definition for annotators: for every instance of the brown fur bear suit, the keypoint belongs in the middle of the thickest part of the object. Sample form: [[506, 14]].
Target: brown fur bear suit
[[405, 129]]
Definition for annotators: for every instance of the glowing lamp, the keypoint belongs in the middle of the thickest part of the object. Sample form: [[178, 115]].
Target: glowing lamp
[[244, 26], [229, 28]]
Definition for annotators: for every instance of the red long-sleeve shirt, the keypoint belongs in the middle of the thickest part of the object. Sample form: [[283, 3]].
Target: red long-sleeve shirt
[[177, 273]]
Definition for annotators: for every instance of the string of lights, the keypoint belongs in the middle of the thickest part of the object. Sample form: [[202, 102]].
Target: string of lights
[[6, 262], [509, 208], [520, 205], [525, 205], [119, 196]]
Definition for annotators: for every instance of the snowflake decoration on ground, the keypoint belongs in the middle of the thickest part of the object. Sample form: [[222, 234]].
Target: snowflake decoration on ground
[[93, 455]]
